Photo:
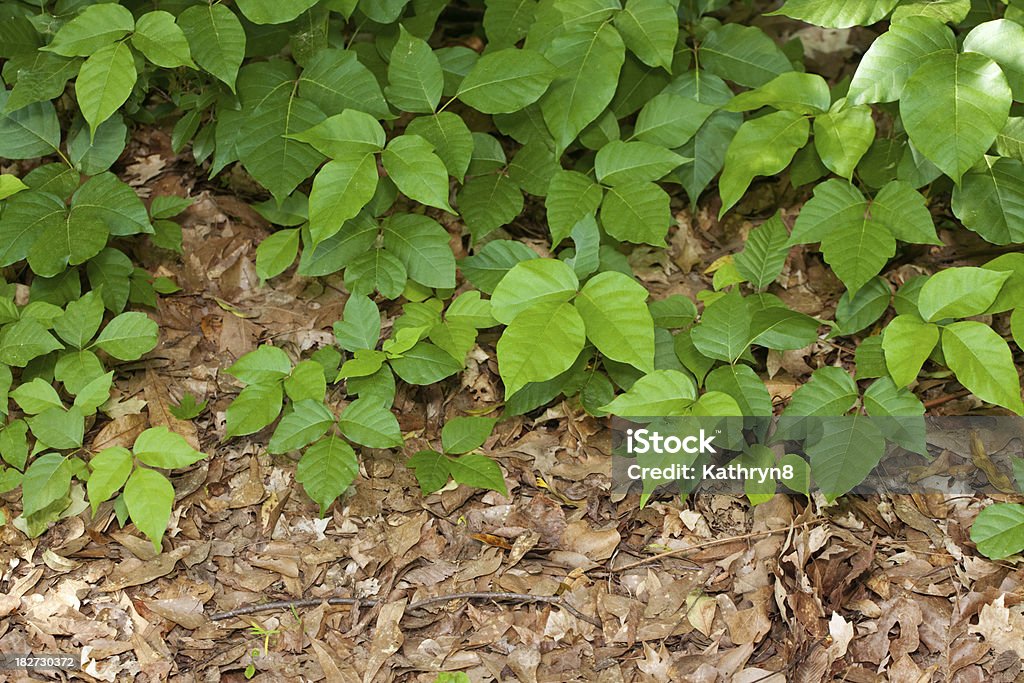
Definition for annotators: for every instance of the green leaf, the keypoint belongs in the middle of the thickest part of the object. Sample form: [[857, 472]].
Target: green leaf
[[506, 81], [149, 496], [587, 63], [744, 386], [614, 310], [97, 27], [997, 40], [417, 171], [907, 343], [273, 12], [854, 312], [507, 21], [188, 408], [360, 327], [762, 146], [414, 75], [895, 55], [376, 270], [266, 365], [489, 202], [724, 329], [478, 471], [335, 80], [104, 83], [670, 120], [348, 135], [571, 197], [369, 424], [326, 469], [838, 13], [104, 198], [340, 191], [843, 137], [626, 162], [637, 212], [953, 106], [983, 363], [742, 54], [161, 40], [93, 156], [216, 39], [793, 91], [128, 336], [830, 391], [42, 76], [425, 364], [31, 131], [255, 407], [355, 238], [431, 469], [765, 253], [10, 185], [486, 268], [94, 393], [998, 530], [450, 137], [463, 434], [707, 148], [903, 210], [1012, 292], [25, 340], [307, 421], [779, 328], [160, 447], [650, 29], [110, 469], [81, 320], [276, 253], [851, 447], [539, 343], [990, 200], [960, 292], [306, 381], [531, 283], [421, 244], [46, 481], [14, 443], [58, 428], [36, 396], [950, 11], [660, 393], [858, 251]]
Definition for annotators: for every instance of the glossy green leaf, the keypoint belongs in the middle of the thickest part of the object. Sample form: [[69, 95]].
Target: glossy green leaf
[[376, 270], [953, 106], [505, 81], [255, 407], [307, 421], [326, 470], [161, 40], [540, 343], [46, 481], [464, 434], [724, 329], [765, 253], [104, 83], [650, 29], [478, 471], [846, 454], [895, 55], [160, 447], [417, 171], [128, 336], [637, 212], [742, 54], [348, 135], [96, 27], [983, 363], [997, 40], [614, 310], [843, 137], [216, 39], [670, 120], [421, 244], [830, 391], [531, 283], [414, 75], [998, 530], [960, 292], [571, 196], [489, 202], [340, 191], [625, 162], [793, 91], [368, 423], [273, 12], [660, 393], [907, 343], [451, 139], [990, 200], [110, 469], [762, 146], [148, 496]]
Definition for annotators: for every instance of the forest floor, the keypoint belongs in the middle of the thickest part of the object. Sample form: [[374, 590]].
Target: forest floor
[[702, 589]]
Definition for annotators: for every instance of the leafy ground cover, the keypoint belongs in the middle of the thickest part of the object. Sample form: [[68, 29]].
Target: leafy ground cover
[[391, 266]]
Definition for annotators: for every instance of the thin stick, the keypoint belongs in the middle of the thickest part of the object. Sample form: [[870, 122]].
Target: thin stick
[[288, 604], [497, 597], [718, 541], [509, 597]]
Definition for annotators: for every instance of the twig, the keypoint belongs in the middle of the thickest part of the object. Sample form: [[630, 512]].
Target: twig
[[509, 597], [497, 597], [288, 604], [717, 541], [932, 403]]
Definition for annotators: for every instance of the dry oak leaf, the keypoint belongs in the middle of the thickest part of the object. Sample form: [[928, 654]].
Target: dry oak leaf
[[1001, 627]]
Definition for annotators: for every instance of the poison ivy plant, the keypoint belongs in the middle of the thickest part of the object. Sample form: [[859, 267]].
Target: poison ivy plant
[[404, 165]]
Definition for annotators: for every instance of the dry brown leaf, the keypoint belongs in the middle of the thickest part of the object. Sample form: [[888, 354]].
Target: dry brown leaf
[[596, 544]]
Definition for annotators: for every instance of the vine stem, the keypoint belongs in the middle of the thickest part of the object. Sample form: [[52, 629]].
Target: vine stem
[[492, 596]]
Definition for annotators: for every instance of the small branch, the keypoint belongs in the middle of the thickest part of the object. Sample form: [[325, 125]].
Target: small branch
[[509, 597], [935, 402], [718, 541], [495, 597], [288, 604]]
